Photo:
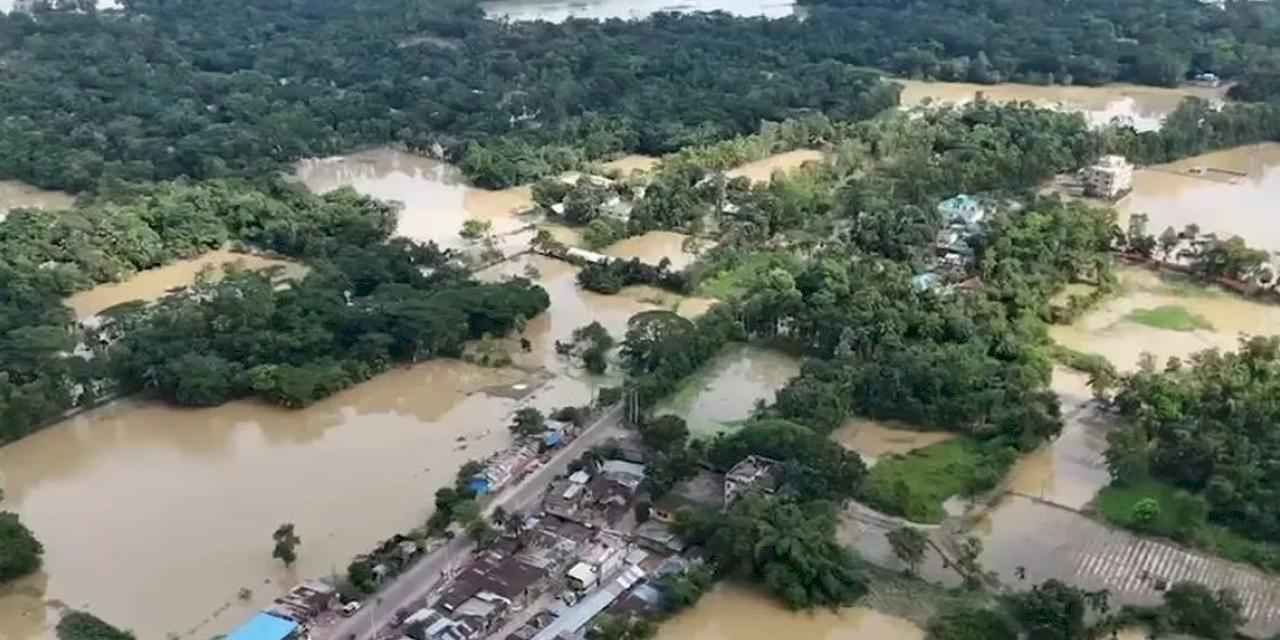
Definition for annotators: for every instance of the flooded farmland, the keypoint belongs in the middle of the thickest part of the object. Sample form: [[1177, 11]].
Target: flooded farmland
[[1235, 195], [15, 195], [1144, 107], [652, 247], [762, 170], [561, 10], [1111, 329], [873, 439], [726, 390], [435, 198], [182, 502], [154, 283], [733, 612]]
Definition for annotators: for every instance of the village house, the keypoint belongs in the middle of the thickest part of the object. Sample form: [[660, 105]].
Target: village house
[[265, 626], [304, 602], [751, 474], [963, 211], [1110, 178], [601, 560], [490, 575], [703, 491]]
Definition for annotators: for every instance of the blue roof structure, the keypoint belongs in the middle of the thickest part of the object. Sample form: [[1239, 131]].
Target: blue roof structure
[[264, 627]]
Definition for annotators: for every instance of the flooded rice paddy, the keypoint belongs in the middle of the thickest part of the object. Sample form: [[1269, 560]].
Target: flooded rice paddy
[[155, 283], [726, 390], [1220, 202], [653, 246], [1111, 330], [1144, 107], [561, 10], [733, 612]]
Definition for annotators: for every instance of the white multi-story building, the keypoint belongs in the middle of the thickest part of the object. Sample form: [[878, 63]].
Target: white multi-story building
[[1110, 178]]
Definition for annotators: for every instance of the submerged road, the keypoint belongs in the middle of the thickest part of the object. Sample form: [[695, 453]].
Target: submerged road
[[424, 576]]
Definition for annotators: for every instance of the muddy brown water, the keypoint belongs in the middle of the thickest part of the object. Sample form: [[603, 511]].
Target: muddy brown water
[[1219, 202], [735, 612], [1144, 107], [1108, 331], [652, 247], [873, 439], [727, 389], [154, 283], [14, 195], [762, 170]]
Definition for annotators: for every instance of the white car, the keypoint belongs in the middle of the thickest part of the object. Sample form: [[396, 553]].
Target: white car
[[349, 609]]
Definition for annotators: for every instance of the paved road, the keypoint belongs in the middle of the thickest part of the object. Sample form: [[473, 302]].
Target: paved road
[[418, 582]]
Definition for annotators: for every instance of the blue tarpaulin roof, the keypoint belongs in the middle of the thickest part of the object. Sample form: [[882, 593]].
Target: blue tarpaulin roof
[[264, 627]]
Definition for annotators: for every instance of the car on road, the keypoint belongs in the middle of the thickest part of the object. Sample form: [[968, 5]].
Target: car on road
[[349, 609]]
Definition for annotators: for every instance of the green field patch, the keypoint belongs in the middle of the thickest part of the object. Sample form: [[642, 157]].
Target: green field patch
[[914, 485], [1169, 317]]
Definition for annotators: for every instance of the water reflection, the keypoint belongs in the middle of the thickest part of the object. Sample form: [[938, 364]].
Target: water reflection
[[727, 389], [873, 439]]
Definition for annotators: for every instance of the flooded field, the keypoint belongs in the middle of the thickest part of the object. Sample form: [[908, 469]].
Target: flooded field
[[1222, 203], [435, 197], [15, 195], [1145, 107], [1052, 542], [1070, 469], [761, 170], [154, 283], [732, 612], [652, 247], [628, 165], [726, 390], [182, 502], [1111, 330], [873, 439], [561, 10]]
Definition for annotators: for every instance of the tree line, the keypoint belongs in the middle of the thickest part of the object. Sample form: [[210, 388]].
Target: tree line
[[366, 302]]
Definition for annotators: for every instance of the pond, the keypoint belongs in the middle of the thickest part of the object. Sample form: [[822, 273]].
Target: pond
[[726, 390]]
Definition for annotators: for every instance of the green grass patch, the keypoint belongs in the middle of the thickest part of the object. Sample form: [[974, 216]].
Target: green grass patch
[[1090, 363], [730, 279], [1170, 317], [1181, 517], [914, 485]]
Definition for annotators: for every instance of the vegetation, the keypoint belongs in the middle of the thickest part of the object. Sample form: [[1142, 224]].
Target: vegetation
[[787, 545], [914, 485], [1169, 317], [19, 550], [683, 589], [287, 543], [591, 343], [82, 625], [1195, 435], [364, 305], [610, 277], [508, 102], [813, 466], [528, 421], [910, 545], [971, 624]]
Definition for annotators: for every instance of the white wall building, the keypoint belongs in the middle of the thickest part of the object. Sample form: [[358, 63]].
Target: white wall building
[[1110, 178]]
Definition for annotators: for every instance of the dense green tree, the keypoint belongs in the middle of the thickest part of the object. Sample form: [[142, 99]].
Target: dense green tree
[[82, 625], [970, 624], [19, 550], [909, 544], [528, 421], [1195, 609], [286, 544]]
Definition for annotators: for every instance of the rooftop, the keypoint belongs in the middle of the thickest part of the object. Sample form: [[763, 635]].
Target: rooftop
[[504, 576], [264, 627], [705, 490], [623, 467]]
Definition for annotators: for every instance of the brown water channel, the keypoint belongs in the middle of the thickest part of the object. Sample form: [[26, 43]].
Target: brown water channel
[[1143, 106]]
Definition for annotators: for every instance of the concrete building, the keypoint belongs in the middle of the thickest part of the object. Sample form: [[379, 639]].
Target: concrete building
[[1110, 178], [963, 211], [266, 627]]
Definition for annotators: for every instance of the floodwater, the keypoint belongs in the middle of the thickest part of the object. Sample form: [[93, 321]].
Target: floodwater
[[762, 170], [154, 517], [436, 199], [873, 439], [727, 389], [734, 612], [1221, 203], [652, 247], [1144, 107], [561, 10], [14, 194], [630, 164], [182, 502], [1070, 469], [1108, 331], [154, 283]]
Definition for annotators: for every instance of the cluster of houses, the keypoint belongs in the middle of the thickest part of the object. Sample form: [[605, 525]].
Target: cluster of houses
[[289, 616], [581, 556]]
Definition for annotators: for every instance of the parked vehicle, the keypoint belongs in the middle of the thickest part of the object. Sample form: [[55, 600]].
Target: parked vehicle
[[349, 609]]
